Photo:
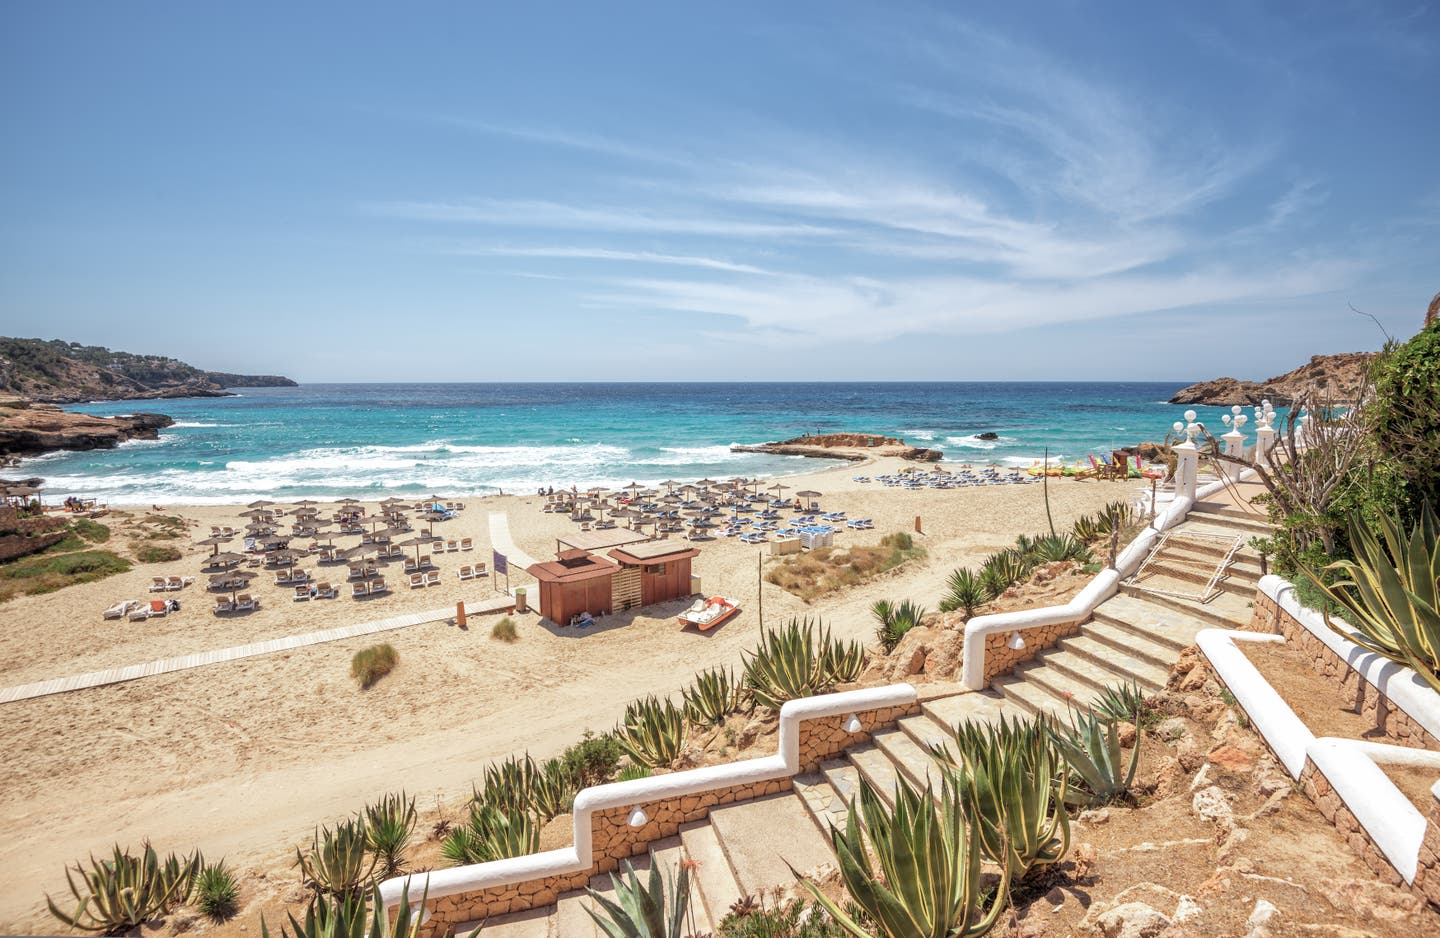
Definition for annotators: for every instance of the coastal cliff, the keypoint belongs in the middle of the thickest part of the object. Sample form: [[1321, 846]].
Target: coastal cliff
[[1339, 377], [29, 429], [850, 446], [58, 372]]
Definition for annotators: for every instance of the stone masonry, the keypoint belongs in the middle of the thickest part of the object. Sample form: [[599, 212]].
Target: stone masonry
[[1000, 658]]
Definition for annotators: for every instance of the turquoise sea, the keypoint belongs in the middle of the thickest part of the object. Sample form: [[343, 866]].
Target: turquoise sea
[[375, 440]]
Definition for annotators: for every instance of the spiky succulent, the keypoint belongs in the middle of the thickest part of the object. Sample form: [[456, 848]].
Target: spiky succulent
[[965, 590], [125, 891], [929, 882], [1091, 748], [338, 863], [491, 833], [653, 731], [713, 696], [893, 620], [653, 909], [1120, 701], [784, 665], [389, 824], [840, 662], [355, 917]]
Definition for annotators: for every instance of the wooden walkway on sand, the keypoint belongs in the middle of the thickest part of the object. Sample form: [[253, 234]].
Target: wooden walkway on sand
[[200, 659]]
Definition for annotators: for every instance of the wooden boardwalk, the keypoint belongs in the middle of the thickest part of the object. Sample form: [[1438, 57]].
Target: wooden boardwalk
[[200, 659], [500, 539]]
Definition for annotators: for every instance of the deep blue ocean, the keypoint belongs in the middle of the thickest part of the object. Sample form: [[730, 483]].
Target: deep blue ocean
[[375, 440]]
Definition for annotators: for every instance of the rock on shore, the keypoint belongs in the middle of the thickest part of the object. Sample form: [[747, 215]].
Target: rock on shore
[[29, 429], [1338, 377], [851, 446]]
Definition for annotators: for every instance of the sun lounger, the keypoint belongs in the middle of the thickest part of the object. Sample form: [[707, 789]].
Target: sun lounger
[[246, 603], [438, 547], [424, 560], [409, 566], [120, 610], [223, 606], [359, 588], [380, 586], [432, 578], [158, 584], [452, 546], [325, 591], [138, 614], [417, 580], [302, 594], [466, 571]]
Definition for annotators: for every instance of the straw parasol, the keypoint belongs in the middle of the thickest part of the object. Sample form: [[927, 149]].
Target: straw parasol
[[416, 542], [215, 540], [262, 503], [227, 559]]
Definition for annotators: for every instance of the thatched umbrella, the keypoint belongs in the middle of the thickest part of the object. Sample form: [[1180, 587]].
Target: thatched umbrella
[[257, 513], [416, 542], [262, 503], [706, 483], [215, 540], [227, 559]]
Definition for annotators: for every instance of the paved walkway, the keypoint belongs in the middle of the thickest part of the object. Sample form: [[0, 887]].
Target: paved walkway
[[500, 540], [132, 672]]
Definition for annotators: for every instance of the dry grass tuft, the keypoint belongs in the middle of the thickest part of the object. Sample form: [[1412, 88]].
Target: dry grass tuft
[[505, 631], [371, 664], [827, 570]]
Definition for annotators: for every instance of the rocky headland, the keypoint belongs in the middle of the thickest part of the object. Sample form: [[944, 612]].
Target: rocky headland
[[1337, 377], [854, 447], [30, 429]]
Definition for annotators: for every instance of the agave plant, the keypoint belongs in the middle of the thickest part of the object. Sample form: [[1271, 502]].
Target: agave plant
[[491, 833], [507, 784], [553, 791], [125, 891], [929, 883], [355, 917], [1090, 745], [964, 590], [1013, 782], [217, 893], [840, 662], [338, 863], [1088, 528], [713, 697], [654, 909], [1115, 515], [389, 824], [1061, 547], [892, 621], [1008, 566], [784, 666], [1121, 701], [1390, 592], [653, 731]]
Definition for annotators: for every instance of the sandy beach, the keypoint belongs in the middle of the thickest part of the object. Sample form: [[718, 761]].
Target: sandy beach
[[242, 759]]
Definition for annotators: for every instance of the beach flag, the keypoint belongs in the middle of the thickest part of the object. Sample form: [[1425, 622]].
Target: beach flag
[[498, 563]]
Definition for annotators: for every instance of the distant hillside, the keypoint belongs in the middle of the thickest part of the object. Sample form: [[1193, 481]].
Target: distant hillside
[[66, 372], [1336, 376]]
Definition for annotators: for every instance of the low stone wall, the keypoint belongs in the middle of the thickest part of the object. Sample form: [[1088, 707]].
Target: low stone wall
[[1000, 658], [1334, 809], [613, 839], [1393, 723], [15, 545]]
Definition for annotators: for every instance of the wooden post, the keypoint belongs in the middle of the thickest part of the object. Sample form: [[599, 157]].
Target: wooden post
[[460, 613], [917, 525]]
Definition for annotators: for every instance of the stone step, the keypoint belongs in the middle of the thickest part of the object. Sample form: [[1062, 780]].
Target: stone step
[[1202, 548], [1141, 617], [761, 836], [876, 768], [949, 712], [570, 918], [924, 731], [1217, 523], [715, 882], [1073, 677], [915, 762], [1029, 697], [1226, 510], [1128, 649], [1244, 562], [1231, 580], [1226, 611], [1128, 667], [822, 800], [532, 923]]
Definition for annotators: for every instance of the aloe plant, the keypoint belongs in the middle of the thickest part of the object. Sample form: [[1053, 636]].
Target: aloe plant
[[840, 662], [1061, 547], [1013, 782], [125, 891], [964, 591], [713, 697], [1088, 528], [218, 892], [1090, 745], [893, 620], [652, 732], [1120, 701], [355, 917], [507, 784], [552, 791], [1008, 566], [929, 883], [784, 666], [654, 909], [338, 863], [1390, 592], [389, 824], [491, 833]]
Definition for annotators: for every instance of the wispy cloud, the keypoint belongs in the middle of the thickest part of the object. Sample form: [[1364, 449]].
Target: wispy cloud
[[511, 213], [590, 143], [606, 254]]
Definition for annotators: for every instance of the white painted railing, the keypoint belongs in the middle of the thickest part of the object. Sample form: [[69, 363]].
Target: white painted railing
[[1105, 584], [641, 791]]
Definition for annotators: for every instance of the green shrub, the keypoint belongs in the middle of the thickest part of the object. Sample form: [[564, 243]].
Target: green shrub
[[155, 553], [92, 531], [789, 919], [1407, 416], [389, 824], [592, 760], [46, 574], [964, 591], [893, 621], [505, 631], [634, 771], [217, 893], [799, 659], [371, 664], [1056, 547], [125, 891], [900, 540], [1003, 570]]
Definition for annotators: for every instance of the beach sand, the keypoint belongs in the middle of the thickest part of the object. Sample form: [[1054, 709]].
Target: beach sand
[[242, 759]]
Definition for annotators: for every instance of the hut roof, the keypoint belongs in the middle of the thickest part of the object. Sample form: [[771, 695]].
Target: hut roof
[[653, 552], [570, 566]]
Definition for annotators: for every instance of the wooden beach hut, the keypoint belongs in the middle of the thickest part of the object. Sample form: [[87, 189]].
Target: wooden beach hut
[[652, 572], [575, 581]]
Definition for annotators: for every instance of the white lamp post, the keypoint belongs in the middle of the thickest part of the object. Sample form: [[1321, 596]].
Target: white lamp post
[[1235, 440], [1264, 432], [1187, 457]]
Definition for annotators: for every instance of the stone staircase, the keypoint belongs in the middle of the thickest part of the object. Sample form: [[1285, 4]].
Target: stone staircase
[[743, 848]]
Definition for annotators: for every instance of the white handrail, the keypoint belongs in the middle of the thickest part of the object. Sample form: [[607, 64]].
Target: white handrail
[[640, 791]]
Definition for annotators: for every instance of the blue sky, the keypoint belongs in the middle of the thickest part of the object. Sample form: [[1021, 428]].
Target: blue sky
[[720, 191]]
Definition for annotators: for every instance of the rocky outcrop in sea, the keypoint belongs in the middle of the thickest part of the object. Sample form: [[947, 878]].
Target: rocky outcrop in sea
[[1338, 377]]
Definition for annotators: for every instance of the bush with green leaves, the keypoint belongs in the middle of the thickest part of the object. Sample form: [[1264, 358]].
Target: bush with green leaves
[[371, 664], [653, 731], [1390, 592], [657, 908], [592, 760], [794, 918], [1003, 569], [632, 772], [389, 825], [929, 881], [965, 591], [338, 862], [1407, 418], [1056, 547], [714, 695], [799, 659], [1013, 781], [1090, 745], [491, 833], [217, 894], [893, 620], [125, 891]]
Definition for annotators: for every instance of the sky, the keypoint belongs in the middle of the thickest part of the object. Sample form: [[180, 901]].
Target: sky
[[736, 191]]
